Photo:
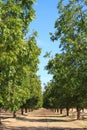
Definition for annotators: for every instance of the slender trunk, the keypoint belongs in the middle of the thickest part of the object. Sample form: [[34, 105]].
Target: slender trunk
[[22, 112], [78, 113], [61, 110], [25, 110], [14, 114], [67, 111], [55, 110]]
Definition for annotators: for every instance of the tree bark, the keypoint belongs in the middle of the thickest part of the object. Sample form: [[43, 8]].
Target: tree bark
[[61, 110], [25, 110], [78, 113], [22, 111], [67, 111], [14, 114]]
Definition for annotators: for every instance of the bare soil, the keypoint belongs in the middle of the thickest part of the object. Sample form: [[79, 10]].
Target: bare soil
[[41, 119]]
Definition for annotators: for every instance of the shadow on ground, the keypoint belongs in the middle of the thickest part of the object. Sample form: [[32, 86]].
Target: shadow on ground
[[42, 128], [48, 116], [43, 120]]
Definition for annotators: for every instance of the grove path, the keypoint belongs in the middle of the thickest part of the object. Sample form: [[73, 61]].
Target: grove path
[[42, 119]]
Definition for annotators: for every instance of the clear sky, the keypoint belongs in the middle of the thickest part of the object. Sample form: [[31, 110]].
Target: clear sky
[[46, 15]]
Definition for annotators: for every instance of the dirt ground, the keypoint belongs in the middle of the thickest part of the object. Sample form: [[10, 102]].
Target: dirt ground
[[41, 119]]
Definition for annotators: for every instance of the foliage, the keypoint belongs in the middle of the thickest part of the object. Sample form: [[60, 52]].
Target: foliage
[[18, 56], [69, 69], [35, 100]]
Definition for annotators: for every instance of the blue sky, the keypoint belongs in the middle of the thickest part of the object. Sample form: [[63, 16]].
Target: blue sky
[[46, 14]]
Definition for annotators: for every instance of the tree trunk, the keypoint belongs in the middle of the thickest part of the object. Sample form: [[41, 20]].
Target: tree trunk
[[61, 110], [67, 111], [14, 114], [22, 112], [55, 110], [25, 110], [78, 113]]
